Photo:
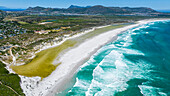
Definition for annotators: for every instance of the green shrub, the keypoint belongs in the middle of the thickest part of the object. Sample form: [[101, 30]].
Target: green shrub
[[11, 80]]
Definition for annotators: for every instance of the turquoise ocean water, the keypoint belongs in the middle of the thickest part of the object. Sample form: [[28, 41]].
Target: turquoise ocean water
[[136, 64]]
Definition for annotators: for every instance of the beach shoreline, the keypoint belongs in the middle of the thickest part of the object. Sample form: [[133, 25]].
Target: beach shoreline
[[71, 61]]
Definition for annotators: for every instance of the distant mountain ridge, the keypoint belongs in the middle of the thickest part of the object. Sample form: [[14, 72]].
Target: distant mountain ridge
[[140, 10], [3, 7], [75, 6], [10, 9], [97, 9]]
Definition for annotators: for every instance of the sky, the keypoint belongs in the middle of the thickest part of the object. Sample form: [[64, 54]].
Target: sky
[[155, 4]]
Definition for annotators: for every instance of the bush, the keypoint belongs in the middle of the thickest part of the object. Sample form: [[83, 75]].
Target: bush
[[11, 80]]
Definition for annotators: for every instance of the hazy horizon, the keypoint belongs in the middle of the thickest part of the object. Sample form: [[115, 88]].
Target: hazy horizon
[[23, 4], [81, 6]]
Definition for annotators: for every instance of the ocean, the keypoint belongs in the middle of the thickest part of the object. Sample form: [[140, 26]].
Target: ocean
[[13, 9], [164, 11], [136, 64]]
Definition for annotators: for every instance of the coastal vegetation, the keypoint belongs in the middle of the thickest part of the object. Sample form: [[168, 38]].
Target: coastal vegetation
[[42, 64], [38, 23], [9, 83]]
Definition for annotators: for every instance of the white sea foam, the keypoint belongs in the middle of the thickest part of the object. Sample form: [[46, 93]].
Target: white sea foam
[[80, 83], [115, 80], [151, 91]]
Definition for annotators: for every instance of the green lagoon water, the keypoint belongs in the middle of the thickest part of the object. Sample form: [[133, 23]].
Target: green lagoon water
[[136, 64]]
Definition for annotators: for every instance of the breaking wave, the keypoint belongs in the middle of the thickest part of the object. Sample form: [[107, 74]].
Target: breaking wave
[[136, 64]]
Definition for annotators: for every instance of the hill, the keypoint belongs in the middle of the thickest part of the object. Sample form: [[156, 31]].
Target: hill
[[94, 10], [3, 7], [38, 8], [98, 9], [75, 6], [10, 9], [140, 10]]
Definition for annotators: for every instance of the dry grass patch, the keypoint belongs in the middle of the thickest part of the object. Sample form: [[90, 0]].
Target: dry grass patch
[[42, 65]]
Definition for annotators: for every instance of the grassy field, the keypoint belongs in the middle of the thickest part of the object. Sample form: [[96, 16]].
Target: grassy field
[[42, 65], [21, 22], [9, 83]]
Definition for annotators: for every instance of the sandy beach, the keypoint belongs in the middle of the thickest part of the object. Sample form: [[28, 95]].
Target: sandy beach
[[70, 62]]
